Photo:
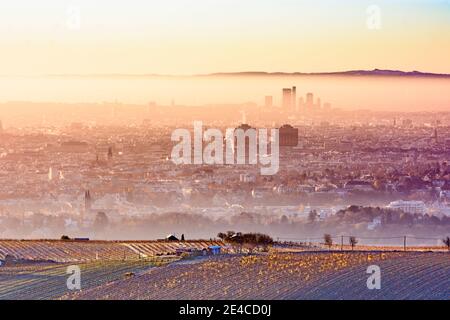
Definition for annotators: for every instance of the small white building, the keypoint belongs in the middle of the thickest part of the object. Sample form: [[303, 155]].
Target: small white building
[[409, 206], [247, 178], [445, 195], [325, 213], [376, 222]]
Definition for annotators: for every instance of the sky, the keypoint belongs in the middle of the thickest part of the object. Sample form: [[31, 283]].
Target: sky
[[181, 37]]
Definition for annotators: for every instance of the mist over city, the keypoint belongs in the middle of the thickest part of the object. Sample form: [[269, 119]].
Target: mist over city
[[104, 170], [230, 152]]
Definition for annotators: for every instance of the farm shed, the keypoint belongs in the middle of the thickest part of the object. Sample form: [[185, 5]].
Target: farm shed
[[171, 237], [214, 250]]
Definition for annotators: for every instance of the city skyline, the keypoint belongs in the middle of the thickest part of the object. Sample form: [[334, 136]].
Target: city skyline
[[243, 150]]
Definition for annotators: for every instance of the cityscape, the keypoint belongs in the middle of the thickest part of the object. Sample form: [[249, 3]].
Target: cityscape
[[222, 159], [66, 176]]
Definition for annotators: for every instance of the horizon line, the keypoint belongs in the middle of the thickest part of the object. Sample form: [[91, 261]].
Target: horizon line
[[355, 72]]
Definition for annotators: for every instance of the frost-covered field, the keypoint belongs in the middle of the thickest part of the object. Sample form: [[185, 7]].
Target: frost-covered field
[[85, 251], [321, 275], [33, 281]]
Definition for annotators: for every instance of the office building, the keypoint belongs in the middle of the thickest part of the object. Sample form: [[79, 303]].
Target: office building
[[287, 98], [408, 206], [268, 102], [288, 136], [301, 103], [294, 98], [87, 201], [309, 100]]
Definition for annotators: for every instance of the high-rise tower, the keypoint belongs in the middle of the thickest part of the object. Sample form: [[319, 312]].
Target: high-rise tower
[[110, 153], [294, 98], [287, 98], [87, 200], [309, 100], [268, 101]]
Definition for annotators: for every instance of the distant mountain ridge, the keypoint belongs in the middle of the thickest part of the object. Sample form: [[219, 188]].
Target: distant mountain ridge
[[374, 72]]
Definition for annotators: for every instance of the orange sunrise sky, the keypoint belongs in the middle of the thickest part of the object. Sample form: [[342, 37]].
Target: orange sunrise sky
[[203, 36]]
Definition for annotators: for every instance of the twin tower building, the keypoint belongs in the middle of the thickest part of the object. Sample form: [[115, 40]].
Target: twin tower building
[[291, 103]]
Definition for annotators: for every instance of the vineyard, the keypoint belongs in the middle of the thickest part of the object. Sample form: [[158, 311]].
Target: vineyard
[[154, 248], [150, 270], [84, 251], [319, 275], [411, 277], [48, 281]]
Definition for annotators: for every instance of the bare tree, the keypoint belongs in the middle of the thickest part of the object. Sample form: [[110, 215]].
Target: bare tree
[[312, 216], [353, 242], [264, 241], [328, 240], [222, 236], [250, 241], [446, 241]]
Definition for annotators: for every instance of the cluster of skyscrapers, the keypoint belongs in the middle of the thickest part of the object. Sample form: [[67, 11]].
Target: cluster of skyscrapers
[[290, 102]]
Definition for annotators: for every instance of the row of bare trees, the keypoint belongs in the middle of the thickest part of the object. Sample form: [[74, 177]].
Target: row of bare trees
[[328, 241]]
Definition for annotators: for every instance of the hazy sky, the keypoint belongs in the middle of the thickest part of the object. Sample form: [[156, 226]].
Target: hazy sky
[[203, 36]]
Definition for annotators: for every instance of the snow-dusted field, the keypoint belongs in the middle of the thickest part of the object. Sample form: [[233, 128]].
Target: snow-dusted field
[[322, 275]]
